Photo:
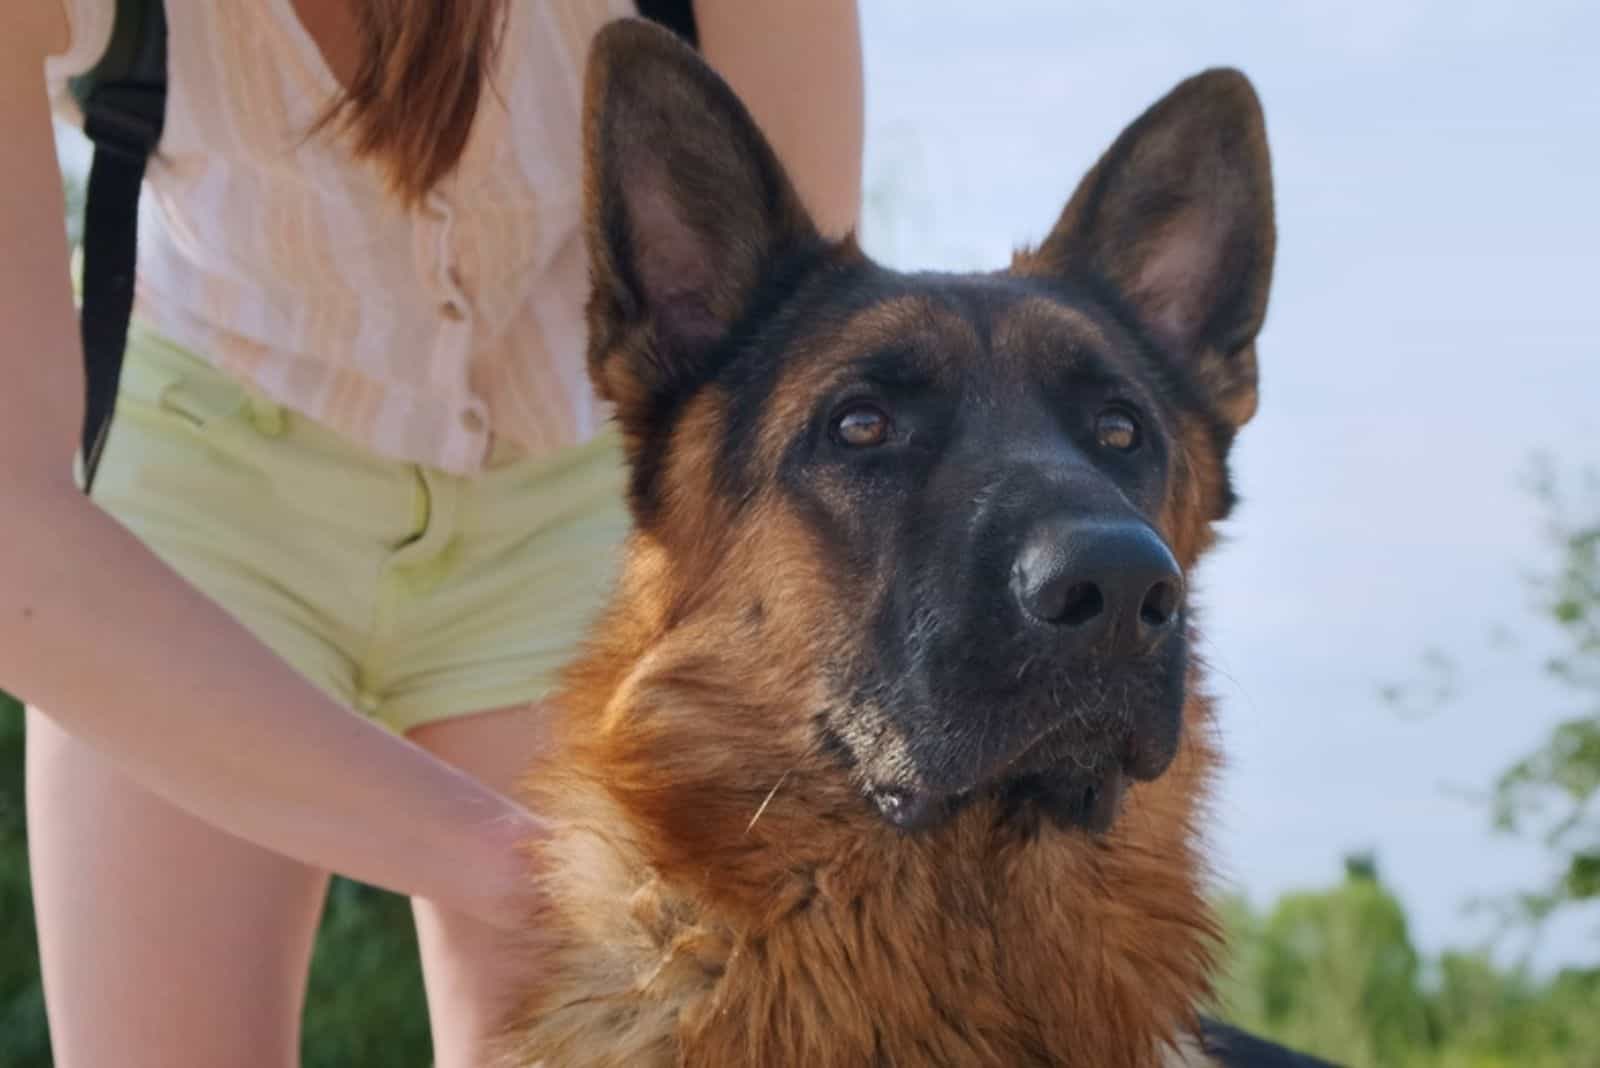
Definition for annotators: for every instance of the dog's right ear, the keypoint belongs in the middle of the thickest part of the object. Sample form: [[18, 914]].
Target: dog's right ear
[[686, 208]]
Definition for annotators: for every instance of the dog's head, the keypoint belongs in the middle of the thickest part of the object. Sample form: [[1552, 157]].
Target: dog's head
[[951, 517]]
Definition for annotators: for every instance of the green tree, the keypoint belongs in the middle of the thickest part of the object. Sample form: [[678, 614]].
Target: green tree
[[1332, 972], [24, 1041], [1486, 1018], [1553, 792]]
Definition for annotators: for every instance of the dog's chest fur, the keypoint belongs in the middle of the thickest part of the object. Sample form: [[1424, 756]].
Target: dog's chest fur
[[980, 944]]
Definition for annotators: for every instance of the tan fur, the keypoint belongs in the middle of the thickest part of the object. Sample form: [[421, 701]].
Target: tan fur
[[903, 322]]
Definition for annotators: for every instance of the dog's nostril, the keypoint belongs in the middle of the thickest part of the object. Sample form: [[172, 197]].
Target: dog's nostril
[[1083, 601], [1160, 605]]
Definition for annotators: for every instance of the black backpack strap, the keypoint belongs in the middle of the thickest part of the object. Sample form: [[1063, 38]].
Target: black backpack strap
[[675, 15], [123, 100]]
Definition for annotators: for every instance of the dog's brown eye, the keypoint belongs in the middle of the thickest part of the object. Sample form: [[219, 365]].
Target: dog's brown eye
[[1114, 428], [861, 426]]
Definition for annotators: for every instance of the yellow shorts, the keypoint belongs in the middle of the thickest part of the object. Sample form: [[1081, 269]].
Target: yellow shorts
[[407, 593]]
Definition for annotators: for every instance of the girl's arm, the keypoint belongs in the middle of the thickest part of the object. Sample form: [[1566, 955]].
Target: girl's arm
[[125, 655]]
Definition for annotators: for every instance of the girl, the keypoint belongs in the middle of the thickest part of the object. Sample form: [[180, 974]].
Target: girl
[[358, 502]]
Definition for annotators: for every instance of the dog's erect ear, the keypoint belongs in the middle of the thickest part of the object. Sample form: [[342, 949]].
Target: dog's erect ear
[[1177, 216], [685, 209]]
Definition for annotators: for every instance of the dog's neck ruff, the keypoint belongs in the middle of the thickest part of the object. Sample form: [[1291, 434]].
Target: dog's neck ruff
[[692, 922]]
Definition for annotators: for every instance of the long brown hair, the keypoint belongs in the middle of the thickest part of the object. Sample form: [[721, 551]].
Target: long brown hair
[[412, 98]]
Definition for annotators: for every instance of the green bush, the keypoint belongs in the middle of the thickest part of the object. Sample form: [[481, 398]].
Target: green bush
[[23, 1040], [1334, 972], [365, 1004]]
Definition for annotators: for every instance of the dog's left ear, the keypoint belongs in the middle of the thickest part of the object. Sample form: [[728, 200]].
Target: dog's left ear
[[686, 208], [1177, 217]]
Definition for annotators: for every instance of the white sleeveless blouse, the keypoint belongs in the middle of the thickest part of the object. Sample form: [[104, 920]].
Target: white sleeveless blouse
[[423, 334]]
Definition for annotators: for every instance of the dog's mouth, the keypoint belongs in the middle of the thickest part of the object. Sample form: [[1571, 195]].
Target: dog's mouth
[[1062, 753], [1073, 782], [1088, 804]]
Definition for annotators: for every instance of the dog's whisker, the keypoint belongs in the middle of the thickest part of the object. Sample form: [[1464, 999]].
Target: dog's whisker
[[767, 801]]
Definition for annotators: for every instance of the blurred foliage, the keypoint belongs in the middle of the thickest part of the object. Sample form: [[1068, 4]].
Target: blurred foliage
[[23, 1041], [1349, 948], [1334, 972], [365, 1005], [1553, 792], [1550, 795], [73, 189]]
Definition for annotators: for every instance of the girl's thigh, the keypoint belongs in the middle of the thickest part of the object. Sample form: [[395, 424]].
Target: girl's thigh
[[163, 940], [474, 973]]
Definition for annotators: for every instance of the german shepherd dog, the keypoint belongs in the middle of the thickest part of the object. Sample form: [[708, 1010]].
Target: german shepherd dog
[[892, 748]]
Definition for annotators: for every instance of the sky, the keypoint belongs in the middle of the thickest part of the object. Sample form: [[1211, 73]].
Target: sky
[[1434, 324]]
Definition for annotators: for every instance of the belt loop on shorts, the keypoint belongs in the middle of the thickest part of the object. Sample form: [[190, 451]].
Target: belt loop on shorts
[[438, 510], [503, 452], [266, 416]]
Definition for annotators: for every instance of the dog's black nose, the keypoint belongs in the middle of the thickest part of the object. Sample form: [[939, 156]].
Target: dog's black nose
[[1109, 584]]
